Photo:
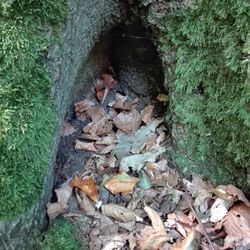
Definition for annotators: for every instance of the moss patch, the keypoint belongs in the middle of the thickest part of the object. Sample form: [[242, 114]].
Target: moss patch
[[60, 236], [210, 90], [26, 111]]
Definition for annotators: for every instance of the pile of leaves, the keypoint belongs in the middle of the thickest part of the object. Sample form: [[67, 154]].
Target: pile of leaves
[[128, 197]]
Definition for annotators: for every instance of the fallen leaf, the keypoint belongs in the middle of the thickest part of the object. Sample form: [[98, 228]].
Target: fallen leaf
[[144, 181], [55, 209], [129, 226], [201, 201], [89, 137], [63, 194], [147, 113], [67, 129], [122, 103], [191, 242], [102, 86], [88, 146], [106, 149], [119, 213], [107, 140], [221, 192], [121, 183], [237, 194], [155, 220], [153, 242], [101, 127], [83, 105], [96, 113], [112, 242], [136, 198], [110, 161], [128, 121], [219, 209], [237, 227], [137, 162], [87, 186], [85, 204]]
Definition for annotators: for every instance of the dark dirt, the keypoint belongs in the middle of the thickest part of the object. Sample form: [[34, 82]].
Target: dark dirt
[[138, 70]]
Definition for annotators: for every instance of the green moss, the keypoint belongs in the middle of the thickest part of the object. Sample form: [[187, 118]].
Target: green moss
[[210, 90], [60, 236], [26, 111]]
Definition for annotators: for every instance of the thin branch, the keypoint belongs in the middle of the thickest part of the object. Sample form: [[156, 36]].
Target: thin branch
[[198, 219]]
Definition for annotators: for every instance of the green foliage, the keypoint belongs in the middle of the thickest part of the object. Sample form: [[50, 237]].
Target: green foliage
[[60, 236], [26, 111], [210, 90]]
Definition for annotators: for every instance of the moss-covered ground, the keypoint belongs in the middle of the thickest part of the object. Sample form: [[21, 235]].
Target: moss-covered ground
[[26, 111], [209, 84], [60, 236]]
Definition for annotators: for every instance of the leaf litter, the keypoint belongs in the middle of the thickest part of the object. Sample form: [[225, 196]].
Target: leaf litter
[[127, 194]]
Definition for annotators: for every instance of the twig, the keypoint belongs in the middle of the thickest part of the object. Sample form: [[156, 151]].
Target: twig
[[196, 216]]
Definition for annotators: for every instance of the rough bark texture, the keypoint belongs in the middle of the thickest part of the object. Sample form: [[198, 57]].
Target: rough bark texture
[[86, 20]]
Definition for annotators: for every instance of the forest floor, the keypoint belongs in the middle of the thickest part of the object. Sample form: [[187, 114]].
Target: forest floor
[[114, 180]]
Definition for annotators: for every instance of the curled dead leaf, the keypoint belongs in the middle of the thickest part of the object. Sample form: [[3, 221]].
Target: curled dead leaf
[[121, 183], [119, 213], [237, 227], [155, 220], [192, 241], [87, 186], [55, 209], [128, 121], [88, 146], [237, 194], [153, 241], [85, 204], [147, 113], [221, 192], [63, 194], [122, 103], [67, 129]]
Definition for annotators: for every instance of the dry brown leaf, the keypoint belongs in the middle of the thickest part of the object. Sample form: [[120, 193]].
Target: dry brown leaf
[[128, 121], [121, 183], [153, 241], [106, 149], [63, 194], [89, 137], [85, 204], [96, 113], [87, 186], [88, 146], [237, 227], [202, 200], [67, 129], [112, 242], [147, 113], [83, 105], [103, 85], [122, 103], [221, 192], [192, 241], [119, 213], [54, 209], [101, 127], [108, 139], [198, 182], [237, 194], [110, 161], [155, 220]]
